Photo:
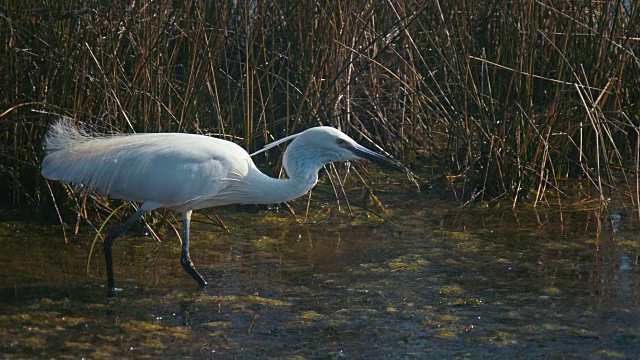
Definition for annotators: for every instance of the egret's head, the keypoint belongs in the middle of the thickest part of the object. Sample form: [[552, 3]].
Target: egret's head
[[321, 145]]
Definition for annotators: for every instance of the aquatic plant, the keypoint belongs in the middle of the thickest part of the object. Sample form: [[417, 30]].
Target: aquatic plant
[[486, 99]]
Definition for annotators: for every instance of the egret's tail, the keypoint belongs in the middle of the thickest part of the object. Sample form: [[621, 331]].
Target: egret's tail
[[80, 157], [66, 153], [63, 134]]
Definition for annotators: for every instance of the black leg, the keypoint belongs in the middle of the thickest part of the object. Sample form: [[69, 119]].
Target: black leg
[[185, 259], [108, 243]]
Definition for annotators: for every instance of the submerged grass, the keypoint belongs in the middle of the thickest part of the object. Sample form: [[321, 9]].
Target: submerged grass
[[492, 99]]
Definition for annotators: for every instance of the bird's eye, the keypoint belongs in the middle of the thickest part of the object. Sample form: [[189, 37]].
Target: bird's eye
[[340, 141]]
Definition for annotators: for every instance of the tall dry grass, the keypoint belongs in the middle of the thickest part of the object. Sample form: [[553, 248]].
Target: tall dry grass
[[504, 100]]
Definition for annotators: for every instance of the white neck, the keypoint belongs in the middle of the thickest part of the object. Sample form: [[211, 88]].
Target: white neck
[[302, 170], [267, 190]]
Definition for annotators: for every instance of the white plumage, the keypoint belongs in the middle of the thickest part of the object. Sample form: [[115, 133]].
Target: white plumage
[[185, 172]]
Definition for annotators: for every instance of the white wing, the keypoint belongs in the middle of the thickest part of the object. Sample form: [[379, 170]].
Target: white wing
[[175, 171]]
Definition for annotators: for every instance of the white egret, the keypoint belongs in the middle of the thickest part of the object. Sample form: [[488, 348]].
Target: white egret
[[186, 172]]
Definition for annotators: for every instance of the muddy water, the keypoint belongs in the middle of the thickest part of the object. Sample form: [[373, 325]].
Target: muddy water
[[441, 283]]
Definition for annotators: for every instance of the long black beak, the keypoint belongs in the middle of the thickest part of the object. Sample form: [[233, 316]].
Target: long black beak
[[364, 153]]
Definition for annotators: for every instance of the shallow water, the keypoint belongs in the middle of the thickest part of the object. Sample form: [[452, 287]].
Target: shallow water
[[441, 283]]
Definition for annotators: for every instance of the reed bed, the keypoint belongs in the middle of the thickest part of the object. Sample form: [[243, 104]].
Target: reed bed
[[518, 100]]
